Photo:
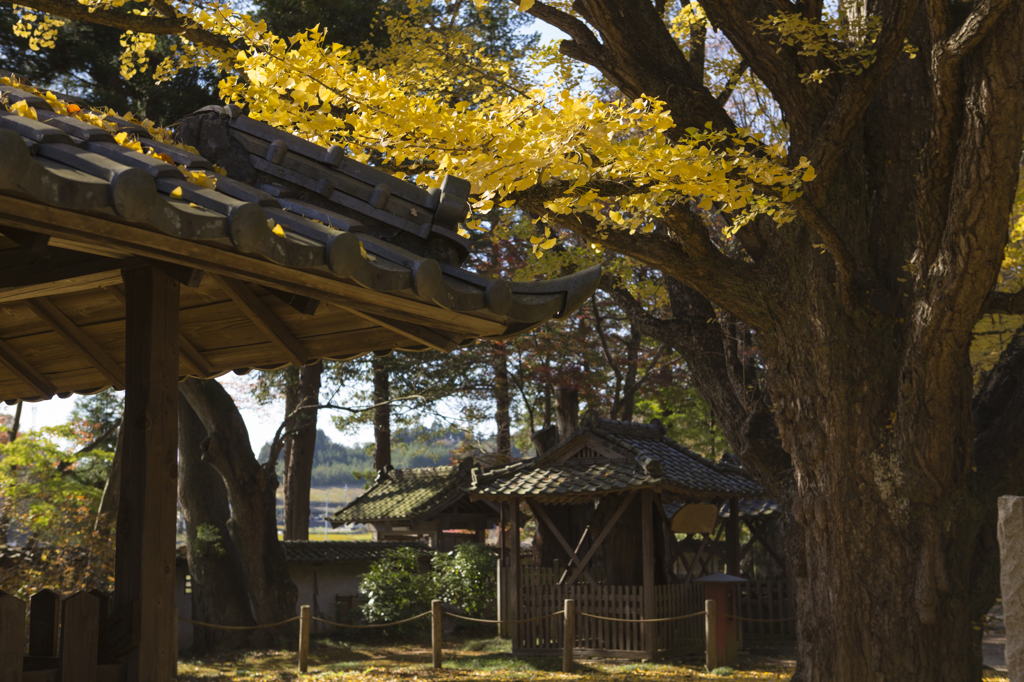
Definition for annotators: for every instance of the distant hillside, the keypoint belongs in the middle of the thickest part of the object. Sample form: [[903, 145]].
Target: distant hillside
[[335, 464]]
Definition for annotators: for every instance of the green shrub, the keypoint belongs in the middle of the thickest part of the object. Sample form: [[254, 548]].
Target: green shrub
[[395, 588], [465, 577]]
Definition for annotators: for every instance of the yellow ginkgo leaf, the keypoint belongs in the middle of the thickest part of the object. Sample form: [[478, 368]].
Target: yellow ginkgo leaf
[[525, 5], [278, 230]]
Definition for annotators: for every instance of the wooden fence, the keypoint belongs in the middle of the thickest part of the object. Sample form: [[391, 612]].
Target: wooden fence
[[769, 599], [74, 640], [595, 637]]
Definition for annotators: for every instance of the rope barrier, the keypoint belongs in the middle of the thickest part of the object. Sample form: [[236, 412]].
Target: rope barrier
[[649, 620], [372, 625], [763, 620], [506, 622], [238, 627]]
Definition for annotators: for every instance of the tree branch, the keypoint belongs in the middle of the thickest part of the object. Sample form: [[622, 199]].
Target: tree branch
[[583, 45], [979, 22], [831, 143], [157, 25], [1002, 302]]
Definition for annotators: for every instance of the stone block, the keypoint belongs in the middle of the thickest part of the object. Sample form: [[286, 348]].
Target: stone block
[[1011, 556]]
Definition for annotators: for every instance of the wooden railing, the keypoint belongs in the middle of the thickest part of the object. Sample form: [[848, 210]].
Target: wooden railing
[[768, 600], [74, 640]]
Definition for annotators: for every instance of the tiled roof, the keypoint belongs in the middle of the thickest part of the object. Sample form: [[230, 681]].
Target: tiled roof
[[292, 225], [320, 552], [400, 494], [649, 460], [748, 508]]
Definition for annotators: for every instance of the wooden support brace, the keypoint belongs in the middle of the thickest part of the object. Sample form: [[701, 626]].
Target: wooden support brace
[[24, 371], [756, 533], [82, 342], [600, 538], [264, 318], [538, 510], [583, 538]]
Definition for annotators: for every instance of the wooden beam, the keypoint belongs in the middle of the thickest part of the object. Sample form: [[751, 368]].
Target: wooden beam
[[732, 537], [755, 532], [25, 266], [96, 232], [81, 341], [144, 561], [514, 573], [24, 371], [583, 538], [65, 286], [604, 533], [301, 304], [185, 276], [650, 630], [192, 357], [538, 511], [264, 318], [430, 338]]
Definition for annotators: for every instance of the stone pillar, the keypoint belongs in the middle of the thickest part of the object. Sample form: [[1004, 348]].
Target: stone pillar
[[1011, 557]]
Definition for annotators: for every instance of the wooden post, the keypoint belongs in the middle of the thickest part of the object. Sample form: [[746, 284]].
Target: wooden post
[[144, 564], [710, 635], [44, 622], [304, 623], [79, 638], [569, 635], [514, 570], [650, 630], [435, 632], [732, 537], [12, 637], [502, 579], [174, 645]]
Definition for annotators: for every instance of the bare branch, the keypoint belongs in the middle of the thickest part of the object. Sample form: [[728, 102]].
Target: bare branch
[[734, 80], [584, 44], [979, 22]]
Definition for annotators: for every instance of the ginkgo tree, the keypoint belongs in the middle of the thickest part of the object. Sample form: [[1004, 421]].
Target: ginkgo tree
[[855, 221]]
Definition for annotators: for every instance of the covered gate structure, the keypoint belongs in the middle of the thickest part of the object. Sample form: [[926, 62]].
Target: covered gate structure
[[603, 538], [129, 261]]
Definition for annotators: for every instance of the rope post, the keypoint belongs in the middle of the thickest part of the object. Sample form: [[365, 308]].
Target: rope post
[[569, 635], [710, 635], [435, 631], [304, 624]]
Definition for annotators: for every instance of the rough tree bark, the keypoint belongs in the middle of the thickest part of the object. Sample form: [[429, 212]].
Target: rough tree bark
[[299, 449], [502, 404], [218, 587], [381, 414], [863, 310], [252, 495]]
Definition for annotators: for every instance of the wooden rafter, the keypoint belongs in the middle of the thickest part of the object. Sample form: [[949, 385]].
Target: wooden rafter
[[23, 267], [428, 337], [603, 534], [264, 318], [25, 371], [192, 357], [82, 342], [538, 510]]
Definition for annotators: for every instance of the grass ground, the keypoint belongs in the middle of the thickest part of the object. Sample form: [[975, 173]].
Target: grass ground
[[468, 659]]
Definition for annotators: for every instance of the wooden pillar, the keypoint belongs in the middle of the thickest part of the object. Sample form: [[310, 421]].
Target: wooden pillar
[[144, 563], [732, 537], [650, 610], [514, 572]]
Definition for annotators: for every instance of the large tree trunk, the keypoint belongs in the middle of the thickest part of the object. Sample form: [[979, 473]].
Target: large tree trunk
[[252, 493], [381, 414], [218, 586], [863, 309], [299, 450]]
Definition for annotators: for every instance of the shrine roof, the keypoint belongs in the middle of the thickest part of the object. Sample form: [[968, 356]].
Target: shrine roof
[[606, 457], [298, 253], [748, 508], [337, 551], [406, 494]]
